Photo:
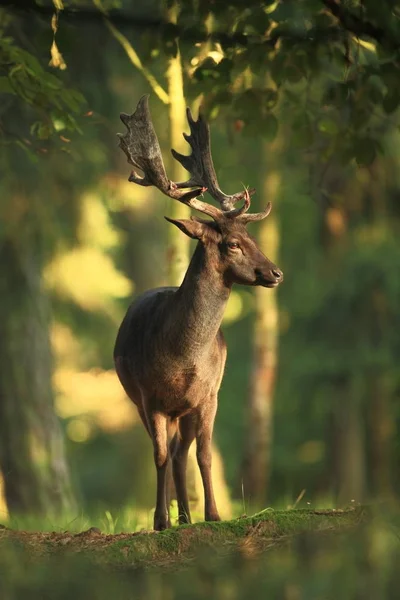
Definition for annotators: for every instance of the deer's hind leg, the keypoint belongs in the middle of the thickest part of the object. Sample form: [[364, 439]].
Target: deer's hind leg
[[204, 431], [182, 443]]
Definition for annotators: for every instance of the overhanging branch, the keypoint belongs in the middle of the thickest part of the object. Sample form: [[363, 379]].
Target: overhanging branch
[[358, 26], [346, 20]]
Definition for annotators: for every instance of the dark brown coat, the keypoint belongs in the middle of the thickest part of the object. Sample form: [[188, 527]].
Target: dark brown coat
[[170, 352]]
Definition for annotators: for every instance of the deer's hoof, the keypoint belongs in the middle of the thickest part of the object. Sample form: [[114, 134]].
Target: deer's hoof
[[213, 517], [161, 523]]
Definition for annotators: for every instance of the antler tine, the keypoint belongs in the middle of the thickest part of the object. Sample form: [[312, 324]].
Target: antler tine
[[247, 218], [200, 165], [142, 148], [239, 212]]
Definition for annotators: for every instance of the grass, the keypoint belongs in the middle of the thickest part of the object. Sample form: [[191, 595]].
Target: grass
[[297, 554], [135, 549]]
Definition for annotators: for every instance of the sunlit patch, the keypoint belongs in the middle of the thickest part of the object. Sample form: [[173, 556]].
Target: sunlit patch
[[336, 221], [3, 504], [120, 195], [234, 308], [367, 45], [284, 321], [216, 55], [59, 124], [96, 393], [65, 345], [86, 274], [79, 430], [88, 277], [270, 9], [95, 228]]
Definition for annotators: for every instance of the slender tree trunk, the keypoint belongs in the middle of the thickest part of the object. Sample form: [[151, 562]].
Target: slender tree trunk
[[32, 461], [257, 456], [349, 445], [178, 254], [178, 244], [381, 430], [381, 427]]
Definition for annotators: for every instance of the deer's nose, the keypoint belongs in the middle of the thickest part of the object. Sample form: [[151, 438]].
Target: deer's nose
[[277, 273]]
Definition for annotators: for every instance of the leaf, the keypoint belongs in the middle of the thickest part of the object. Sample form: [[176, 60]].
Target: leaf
[[57, 61], [328, 126], [391, 101], [280, 11], [270, 97], [258, 20], [337, 94], [44, 131], [292, 74], [207, 69]]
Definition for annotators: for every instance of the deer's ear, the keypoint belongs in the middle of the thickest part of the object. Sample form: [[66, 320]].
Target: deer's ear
[[193, 229]]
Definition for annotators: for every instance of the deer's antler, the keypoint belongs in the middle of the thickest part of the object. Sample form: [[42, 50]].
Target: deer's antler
[[141, 146], [200, 164]]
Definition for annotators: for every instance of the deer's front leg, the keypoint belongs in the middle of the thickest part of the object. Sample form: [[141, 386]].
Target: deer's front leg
[[204, 436], [158, 429], [187, 427]]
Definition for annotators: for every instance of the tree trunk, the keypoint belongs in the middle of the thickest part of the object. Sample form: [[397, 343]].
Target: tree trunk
[[178, 254], [178, 244], [257, 455], [381, 430], [32, 461], [348, 445]]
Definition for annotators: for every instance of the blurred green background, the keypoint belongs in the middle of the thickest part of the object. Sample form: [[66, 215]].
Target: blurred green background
[[302, 99]]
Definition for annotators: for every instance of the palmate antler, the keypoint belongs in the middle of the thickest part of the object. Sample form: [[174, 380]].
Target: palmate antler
[[141, 146]]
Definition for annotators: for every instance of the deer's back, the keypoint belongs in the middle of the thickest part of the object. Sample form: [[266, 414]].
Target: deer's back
[[149, 365]]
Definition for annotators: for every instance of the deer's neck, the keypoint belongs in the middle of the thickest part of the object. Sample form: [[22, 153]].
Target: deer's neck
[[199, 306]]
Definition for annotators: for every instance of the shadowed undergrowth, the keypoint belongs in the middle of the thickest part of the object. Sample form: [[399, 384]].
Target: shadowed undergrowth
[[287, 555], [149, 548]]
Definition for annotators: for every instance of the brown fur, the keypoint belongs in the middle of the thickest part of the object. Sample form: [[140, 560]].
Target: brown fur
[[170, 353]]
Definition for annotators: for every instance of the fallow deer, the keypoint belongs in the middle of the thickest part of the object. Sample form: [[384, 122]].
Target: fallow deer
[[170, 352]]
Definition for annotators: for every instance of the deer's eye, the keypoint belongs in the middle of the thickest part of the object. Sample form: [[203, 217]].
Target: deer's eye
[[233, 245]]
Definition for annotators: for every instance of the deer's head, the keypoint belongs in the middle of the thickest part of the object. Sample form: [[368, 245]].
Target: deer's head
[[234, 252]]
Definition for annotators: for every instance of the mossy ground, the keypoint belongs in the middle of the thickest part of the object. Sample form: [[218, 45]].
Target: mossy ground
[[249, 535], [289, 554]]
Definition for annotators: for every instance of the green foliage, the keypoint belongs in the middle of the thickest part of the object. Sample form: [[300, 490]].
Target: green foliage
[[330, 64], [47, 105]]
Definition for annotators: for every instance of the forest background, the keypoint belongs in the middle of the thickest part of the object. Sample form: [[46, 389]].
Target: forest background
[[302, 99]]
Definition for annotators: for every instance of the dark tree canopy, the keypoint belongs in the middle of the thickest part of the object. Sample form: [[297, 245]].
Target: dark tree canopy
[[335, 63]]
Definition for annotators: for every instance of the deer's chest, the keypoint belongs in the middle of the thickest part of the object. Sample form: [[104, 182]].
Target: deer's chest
[[178, 386]]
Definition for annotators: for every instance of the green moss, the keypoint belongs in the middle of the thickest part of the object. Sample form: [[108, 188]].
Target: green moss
[[176, 544], [187, 539]]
